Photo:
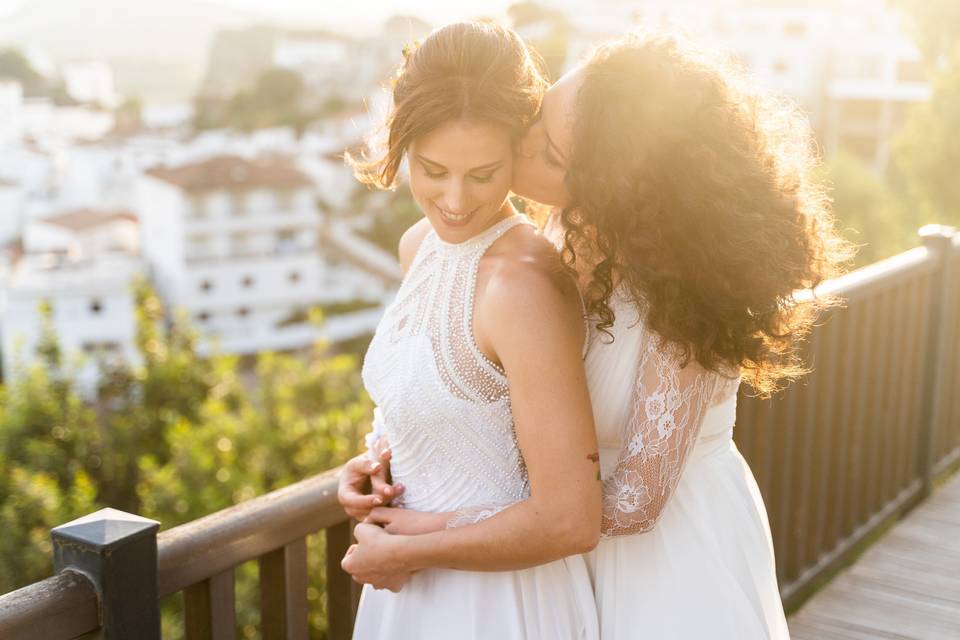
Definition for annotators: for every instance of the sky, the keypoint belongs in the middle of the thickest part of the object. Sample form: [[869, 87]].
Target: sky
[[342, 12]]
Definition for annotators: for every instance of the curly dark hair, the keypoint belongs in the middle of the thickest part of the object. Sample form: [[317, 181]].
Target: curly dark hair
[[473, 69], [695, 192]]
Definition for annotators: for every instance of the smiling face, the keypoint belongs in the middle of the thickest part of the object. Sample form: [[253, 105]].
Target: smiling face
[[541, 160], [460, 177]]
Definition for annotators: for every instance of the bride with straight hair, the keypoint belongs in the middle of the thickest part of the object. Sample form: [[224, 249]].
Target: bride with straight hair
[[487, 326], [686, 203]]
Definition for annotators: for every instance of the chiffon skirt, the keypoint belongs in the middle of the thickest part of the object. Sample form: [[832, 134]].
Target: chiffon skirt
[[549, 602], [706, 569]]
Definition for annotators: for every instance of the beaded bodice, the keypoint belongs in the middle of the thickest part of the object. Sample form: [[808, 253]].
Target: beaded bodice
[[443, 405]]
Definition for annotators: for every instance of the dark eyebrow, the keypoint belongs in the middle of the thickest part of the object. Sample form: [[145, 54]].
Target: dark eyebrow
[[492, 165]]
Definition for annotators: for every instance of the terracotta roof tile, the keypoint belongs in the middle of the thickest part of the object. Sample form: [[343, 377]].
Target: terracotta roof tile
[[87, 218], [233, 172]]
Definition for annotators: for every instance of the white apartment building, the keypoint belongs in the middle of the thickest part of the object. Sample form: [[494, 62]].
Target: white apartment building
[[86, 275], [42, 119], [83, 234], [11, 211], [876, 75], [90, 82], [849, 64], [234, 242], [11, 107]]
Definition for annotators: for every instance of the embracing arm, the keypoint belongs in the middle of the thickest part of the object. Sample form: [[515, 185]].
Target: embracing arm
[[669, 402], [534, 324]]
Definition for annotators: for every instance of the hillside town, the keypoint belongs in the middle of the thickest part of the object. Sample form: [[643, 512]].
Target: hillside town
[[239, 208]]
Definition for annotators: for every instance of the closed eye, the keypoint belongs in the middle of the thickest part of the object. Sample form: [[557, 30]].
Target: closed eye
[[549, 158]]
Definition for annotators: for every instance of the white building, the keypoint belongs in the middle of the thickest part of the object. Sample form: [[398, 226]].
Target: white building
[[848, 64], [42, 119], [83, 234], [235, 243], [11, 106], [86, 277], [876, 75], [90, 82], [11, 211]]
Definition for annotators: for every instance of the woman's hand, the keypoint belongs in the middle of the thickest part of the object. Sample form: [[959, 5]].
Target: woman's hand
[[365, 482], [375, 559], [406, 521]]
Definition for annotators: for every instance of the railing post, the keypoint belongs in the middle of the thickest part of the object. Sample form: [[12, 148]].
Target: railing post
[[117, 551], [939, 240], [343, 594]]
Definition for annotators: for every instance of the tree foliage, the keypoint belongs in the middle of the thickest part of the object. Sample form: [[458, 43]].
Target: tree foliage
[[926, 154], [174, 438]]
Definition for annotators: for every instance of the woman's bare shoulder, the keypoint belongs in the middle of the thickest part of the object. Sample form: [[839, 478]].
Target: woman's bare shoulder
[[523, 269], [410, 241]]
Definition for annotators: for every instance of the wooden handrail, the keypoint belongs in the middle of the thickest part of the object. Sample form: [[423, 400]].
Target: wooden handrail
[[62, 606], [210, 545]]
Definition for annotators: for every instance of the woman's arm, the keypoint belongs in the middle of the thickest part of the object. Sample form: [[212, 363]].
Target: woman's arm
[[669, 402], [531, 318]]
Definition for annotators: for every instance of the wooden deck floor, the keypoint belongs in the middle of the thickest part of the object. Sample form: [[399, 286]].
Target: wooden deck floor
[[906, 586]]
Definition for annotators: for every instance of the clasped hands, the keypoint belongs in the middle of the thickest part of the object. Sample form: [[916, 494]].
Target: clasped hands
[[365, 491]]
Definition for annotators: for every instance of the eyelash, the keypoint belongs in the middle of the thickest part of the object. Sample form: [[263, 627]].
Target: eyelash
[[437, 176], [550, 160]]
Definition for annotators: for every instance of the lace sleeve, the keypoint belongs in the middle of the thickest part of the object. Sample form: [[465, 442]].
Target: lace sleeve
[[669, 402], [473, 515]]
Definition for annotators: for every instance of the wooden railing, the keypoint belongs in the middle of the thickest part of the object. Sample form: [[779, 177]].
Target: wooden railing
[[858, 442], [864, 437], [93, 590]]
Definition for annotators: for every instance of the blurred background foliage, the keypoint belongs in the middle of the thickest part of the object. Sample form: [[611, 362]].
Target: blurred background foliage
[[174, 439]]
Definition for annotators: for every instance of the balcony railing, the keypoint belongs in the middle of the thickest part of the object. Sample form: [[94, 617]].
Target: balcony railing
[[860, 441]]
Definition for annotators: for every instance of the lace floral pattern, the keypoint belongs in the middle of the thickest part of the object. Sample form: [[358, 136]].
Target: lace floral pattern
[[668, 406], [473, 515]]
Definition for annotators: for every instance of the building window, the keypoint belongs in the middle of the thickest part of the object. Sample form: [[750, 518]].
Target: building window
[[294, 277], [96, 306], [911, 71], [860, 112], [285, 200], [243, 312], [101, 348], [241, 245], [203, 316], [199, 247], [206, 285], [198, 205], [286, 240], [238, 203], [795, 29], [247, 282]]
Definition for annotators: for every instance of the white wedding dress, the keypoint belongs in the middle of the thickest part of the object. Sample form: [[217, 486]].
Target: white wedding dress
[[685, 550], [445, 409]]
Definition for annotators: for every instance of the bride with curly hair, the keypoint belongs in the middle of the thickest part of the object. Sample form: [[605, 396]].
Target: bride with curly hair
[[684, 199]]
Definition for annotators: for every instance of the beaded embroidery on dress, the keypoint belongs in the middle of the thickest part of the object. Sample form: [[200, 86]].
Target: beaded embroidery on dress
[[445, 409], [444, 406]]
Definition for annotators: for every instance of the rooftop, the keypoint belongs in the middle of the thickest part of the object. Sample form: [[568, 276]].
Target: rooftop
[[82, 219], [233, 172]]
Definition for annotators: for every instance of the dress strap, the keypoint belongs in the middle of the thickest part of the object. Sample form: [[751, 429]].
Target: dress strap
[[482, 241]]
